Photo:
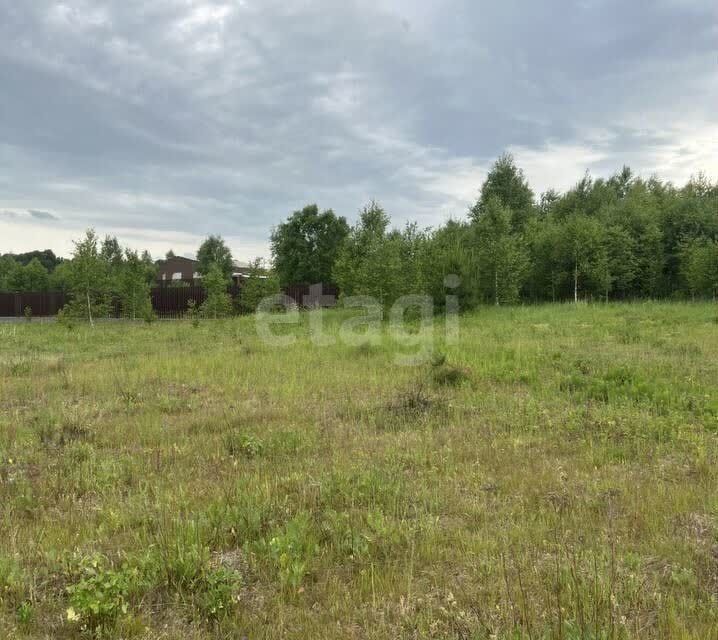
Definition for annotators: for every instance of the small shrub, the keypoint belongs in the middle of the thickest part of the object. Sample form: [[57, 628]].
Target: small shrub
[[65, 320], [242, 444], [101, 594], [438, 359], [216, 593], [193, 313], [28, 313], [149, 315]]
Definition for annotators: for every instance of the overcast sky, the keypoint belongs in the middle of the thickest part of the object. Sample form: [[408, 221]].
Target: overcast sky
[[167, 120]]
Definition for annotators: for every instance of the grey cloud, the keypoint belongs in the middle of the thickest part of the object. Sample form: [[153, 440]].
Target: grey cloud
[[30, 213], [42, 215], [224, 117]]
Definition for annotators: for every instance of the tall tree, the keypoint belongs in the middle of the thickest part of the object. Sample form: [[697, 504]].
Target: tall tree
[[60, 279], [584, 254], [8, 268], [112, 255], [621, 257], [621, 182], [700, 267], [111, 252], [260, 283], [218, 303], [507, 183], [88, 277], [369, 262], [502, 258], [448, 252], [134, 280], [214, 252], [33, 276], [305, 246]]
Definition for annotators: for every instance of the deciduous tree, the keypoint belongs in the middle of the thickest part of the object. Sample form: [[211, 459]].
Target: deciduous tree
[[214, 252], [305, 246]]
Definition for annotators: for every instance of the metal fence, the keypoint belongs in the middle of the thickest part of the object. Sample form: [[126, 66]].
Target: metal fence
[[173, 302], [41, 304], [167, 301]]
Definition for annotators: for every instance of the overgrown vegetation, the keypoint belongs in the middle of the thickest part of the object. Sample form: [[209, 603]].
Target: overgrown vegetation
[[550, 475]]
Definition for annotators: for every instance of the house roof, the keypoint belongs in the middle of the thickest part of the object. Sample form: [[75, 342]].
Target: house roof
[[239, 267], [185, 259]]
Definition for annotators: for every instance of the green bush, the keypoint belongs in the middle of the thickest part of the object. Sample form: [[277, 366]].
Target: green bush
[[240, 444], [216, 593], [101, 595]]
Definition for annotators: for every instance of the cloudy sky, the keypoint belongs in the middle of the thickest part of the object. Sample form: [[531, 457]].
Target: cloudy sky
[[167, 120]]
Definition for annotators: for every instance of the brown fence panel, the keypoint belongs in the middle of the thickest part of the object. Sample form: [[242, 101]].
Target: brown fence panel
[[7, 305], [173, 302], [313, 295], [41, 303], [167, 302]]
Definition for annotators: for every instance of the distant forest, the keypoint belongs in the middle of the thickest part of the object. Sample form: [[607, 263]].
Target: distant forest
[[618, 238]]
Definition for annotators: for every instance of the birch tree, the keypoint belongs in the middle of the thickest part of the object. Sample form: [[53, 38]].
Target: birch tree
[[88, 278]]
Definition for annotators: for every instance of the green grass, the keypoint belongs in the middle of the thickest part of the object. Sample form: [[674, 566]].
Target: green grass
[[553, 474]]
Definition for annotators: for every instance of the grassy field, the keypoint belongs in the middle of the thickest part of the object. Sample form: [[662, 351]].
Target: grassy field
[[553, 474]]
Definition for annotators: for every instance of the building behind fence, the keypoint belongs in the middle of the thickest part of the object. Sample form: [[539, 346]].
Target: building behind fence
[[167, 301]]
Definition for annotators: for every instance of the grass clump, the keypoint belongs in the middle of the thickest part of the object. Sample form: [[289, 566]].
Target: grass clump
[[411, 404], [449, 375], [291, 551], [243, 445]]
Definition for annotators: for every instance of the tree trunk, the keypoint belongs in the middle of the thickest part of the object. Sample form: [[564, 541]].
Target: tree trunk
[[575, 284], [496, 286], [89, 308]]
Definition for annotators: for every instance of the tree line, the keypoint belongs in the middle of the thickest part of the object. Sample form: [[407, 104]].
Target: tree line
[[618, 238]]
